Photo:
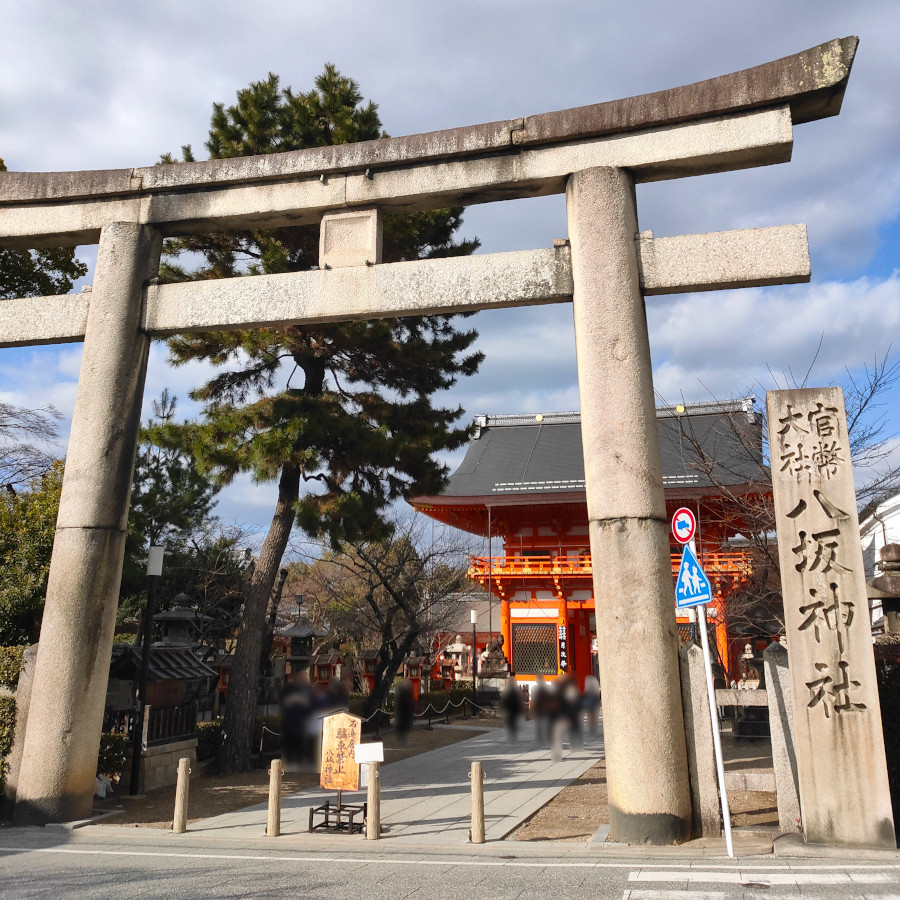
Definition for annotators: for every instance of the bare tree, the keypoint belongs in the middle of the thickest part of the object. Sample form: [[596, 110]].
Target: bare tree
[[215, 576], [743, 446], [26, 443], [389, 594]]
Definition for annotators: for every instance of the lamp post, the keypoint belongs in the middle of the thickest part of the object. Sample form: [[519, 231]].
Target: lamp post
[[154, 570], [473, 616]]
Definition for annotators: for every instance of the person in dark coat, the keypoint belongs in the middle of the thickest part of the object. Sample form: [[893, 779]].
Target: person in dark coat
[[541, 701], [570, 709], [296, 709], [403, 710], [513, 707]]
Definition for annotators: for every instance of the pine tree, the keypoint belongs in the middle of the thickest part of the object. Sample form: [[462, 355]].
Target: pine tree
[[171, 504], [169, 497], [345, 409]]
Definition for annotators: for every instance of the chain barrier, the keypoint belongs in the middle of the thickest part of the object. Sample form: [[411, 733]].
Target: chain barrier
[[449, 703], [380, 711]]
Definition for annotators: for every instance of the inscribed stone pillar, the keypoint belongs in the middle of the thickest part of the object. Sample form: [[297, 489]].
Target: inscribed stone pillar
[[844, 795], [649, 799], [784, 757], [707, 817], [56, 779]]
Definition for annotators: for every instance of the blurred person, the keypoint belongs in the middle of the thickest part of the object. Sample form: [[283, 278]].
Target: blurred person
[[513, 707], [321, 707], [296, 708], [557, 723], [571, 711], [403, 710], [591, 702], [540, 699], [338, 699]]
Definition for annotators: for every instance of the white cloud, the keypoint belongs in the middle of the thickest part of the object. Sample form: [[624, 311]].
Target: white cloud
[[724, 342], [104, 85]]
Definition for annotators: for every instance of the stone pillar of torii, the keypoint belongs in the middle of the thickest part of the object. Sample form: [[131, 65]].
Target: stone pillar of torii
[[595, 154]]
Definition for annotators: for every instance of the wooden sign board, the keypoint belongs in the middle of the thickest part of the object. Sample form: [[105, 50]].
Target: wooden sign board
[[340, 735]]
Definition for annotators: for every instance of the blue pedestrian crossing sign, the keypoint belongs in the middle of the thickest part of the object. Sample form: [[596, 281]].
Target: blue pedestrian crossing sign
[[692, 587]]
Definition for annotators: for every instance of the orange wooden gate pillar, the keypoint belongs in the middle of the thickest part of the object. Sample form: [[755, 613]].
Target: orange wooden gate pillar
[[506, 631], [562, 639], [722, 639], [580, 645]]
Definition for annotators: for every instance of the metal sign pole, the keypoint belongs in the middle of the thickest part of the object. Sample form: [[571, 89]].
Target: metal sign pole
[[684, 527], [714, 719]]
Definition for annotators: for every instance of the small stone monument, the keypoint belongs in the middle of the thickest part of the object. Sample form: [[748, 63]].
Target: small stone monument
[[493, 667], [749, 672], [886, 588], [494, 663]]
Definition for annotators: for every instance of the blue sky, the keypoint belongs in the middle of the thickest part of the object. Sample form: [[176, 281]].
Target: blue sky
[[106, 84]]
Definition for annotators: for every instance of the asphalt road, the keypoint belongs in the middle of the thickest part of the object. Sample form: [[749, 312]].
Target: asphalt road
[[51, 863]]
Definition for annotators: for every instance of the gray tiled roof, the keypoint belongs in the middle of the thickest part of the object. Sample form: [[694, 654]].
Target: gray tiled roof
[[302, 628], [543, 454], [165, 663]]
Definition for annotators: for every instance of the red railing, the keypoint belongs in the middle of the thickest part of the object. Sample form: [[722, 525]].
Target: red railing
[[727, 569], [505, 566]]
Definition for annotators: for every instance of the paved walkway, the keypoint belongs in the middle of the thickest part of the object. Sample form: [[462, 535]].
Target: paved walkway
[[426, 799]]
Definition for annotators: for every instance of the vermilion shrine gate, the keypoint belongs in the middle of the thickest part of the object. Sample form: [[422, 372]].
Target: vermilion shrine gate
[[595, 154], [522, 481]]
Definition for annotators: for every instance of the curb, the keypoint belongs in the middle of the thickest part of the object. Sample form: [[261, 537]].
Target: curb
[[794, 845]]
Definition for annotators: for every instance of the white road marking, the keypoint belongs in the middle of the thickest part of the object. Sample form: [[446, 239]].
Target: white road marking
[[672, 871], [763, 878], [674, 895]]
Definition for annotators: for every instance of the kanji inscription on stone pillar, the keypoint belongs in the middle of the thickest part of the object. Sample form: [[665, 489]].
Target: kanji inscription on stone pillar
[[844, 793]]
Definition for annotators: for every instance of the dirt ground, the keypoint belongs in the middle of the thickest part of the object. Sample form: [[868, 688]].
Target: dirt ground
[[580, 809], [574, 814], [212, 795]]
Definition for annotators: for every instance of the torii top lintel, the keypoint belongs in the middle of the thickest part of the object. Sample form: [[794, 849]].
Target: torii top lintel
[[189, 197]]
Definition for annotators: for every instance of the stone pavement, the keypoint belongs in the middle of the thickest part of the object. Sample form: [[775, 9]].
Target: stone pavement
[[426, 799]]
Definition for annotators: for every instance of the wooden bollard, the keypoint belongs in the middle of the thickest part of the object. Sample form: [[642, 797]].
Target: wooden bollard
[[476, 835], [373, 803], [273, 826], [179, 822]]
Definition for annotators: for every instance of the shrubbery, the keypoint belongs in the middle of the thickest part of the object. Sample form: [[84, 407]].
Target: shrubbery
[[114, 751], [10, 666], [889, 696], [11, 659], [209, 736], [7, 723], [7, 730]]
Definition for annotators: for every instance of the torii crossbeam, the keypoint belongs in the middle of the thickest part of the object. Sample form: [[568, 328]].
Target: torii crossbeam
[[594, 154]]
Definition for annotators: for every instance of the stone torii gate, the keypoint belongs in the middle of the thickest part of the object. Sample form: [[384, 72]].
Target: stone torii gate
[[595, 154]]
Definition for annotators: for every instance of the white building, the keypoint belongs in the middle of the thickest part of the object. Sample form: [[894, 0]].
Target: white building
[[879, 527]]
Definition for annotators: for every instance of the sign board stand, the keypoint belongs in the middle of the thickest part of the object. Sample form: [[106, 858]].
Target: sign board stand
[[693, 589], [340, 771]]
